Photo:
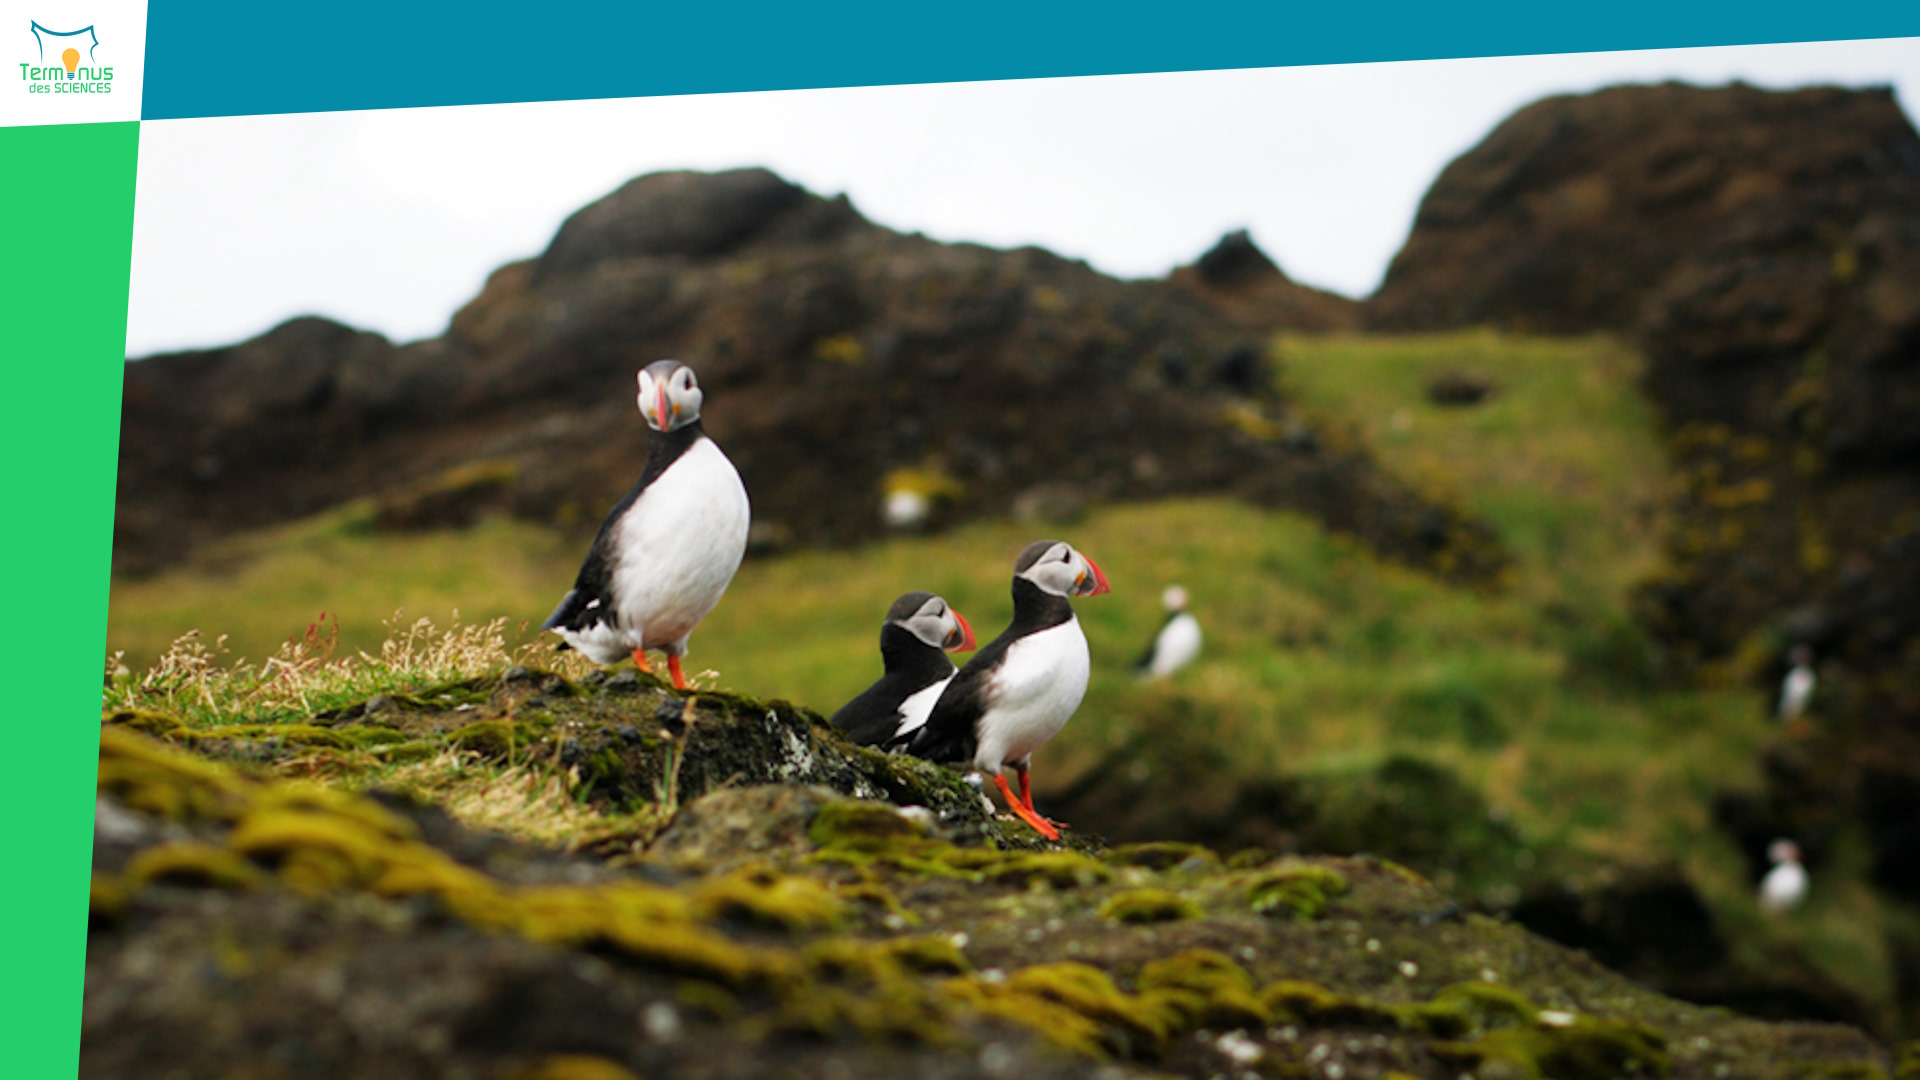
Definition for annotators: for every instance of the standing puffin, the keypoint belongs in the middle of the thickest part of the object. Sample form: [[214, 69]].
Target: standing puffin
[[1024, 685], [669, 548], [920, 630], [1178, 641], [1796, 690], [1785, 886]]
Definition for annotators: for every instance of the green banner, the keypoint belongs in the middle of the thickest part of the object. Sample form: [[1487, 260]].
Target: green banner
[[67, 220]]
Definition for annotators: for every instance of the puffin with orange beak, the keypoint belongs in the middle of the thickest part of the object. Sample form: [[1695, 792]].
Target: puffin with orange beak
[[921, 629], [1024, 685], [670, 546]]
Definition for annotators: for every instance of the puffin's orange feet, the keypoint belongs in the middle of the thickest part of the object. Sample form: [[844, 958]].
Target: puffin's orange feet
[[1026, 797], [673, 668], [640, 661], [1024, 813]]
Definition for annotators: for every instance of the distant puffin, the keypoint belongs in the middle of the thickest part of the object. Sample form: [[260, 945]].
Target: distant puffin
[[920, 630], [669, 548], [1178, 641], [1796, 690], [1025, 684], [1785, 886]]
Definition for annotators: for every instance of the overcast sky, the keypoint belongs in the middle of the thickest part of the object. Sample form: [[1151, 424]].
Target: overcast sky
[[391, 220]]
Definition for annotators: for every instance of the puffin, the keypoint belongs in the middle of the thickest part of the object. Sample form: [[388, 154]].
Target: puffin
[[1796, 690], [1785, 886], [669, 548], [919, 632], [1022, 687], [1178, 641]]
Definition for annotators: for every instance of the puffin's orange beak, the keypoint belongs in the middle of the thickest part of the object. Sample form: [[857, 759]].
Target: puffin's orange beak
[[1099, 579], [966, 633], [660, 408]]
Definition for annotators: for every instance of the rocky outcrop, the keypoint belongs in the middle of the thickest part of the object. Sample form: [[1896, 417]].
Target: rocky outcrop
[[1764, 250], [241, 925], [841, 361]]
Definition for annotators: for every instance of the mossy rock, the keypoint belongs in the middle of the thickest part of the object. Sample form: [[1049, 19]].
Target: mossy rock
[[194, 864], [1208, 987], [1585, 1048], [1163, 855], [1299, 890], [1058, 869], [1149, 906], [573, 1067], [1311, 1004], [1091, 992]]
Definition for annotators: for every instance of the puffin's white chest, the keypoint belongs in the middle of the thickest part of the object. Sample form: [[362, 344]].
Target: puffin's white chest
[[1784, 887], [918, 706], [677, 547], [1033, 694], [1175, 647], [1795, 691]]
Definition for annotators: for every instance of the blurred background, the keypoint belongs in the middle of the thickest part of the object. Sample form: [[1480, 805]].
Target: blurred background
[[1519, 428]]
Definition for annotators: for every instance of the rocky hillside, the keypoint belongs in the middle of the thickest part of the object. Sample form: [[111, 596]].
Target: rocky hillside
[[797, 903], [842, 361], [1763, 248]]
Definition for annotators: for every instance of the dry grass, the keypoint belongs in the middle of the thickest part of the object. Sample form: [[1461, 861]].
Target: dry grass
[[307, 674]]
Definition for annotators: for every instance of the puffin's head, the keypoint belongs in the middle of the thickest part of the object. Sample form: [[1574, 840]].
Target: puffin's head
[[669, 395], [930, 619], [1783, 851], [1056, 568], [1175, 598]]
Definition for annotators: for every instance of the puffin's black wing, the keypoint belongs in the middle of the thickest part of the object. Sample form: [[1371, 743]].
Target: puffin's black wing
[[912, 665], [591, 599], [951, 733], [873, 718]]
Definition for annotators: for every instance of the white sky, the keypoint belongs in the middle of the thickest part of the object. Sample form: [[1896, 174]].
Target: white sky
[[391, 220]]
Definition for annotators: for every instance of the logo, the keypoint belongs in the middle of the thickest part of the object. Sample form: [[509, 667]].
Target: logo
[[66, 63]]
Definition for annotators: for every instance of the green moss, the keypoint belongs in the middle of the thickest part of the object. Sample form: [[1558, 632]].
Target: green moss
[[106, 899], [854, 825], [1908, 1065], [1161, 855], [1091, 993], [496, 739], [763, 895], [1058, 869], [191, 863], [1299, 890], [573, 1067], [1149, 906], [1308, 1003], [1208, 988], [1586, 1049], [1485, 1006], [144, 775], [712, 999], [929, 955], [1059, 1024], [1840, 1070]]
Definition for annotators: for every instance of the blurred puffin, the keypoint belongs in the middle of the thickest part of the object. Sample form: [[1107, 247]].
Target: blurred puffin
[[1178, 641], [1024, 685], [1796, 690], [1785, 886], [920, 630], [669, 548]]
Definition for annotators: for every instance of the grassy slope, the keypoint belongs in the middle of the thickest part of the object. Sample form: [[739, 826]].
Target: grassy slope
[[1319, 657]]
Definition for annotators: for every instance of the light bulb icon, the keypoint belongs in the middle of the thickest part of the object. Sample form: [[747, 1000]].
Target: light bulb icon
[[71, 58]]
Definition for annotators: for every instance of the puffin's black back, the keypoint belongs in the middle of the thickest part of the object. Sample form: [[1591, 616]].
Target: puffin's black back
[[912, 665], [1153, 643], [951, 733], [595, 581]]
